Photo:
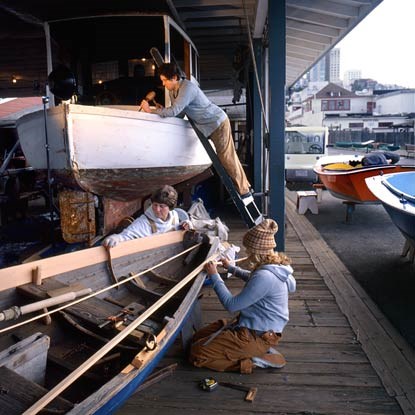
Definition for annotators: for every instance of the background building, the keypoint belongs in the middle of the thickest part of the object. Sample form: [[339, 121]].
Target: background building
[[350, 76], [327, 69]]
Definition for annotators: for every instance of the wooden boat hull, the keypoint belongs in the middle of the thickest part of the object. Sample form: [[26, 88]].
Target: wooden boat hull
[[121, 154], [350, 184], [399, 205], [88, 327]]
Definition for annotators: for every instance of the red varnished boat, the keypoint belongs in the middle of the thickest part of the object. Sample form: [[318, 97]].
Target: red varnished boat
[[347, 182]]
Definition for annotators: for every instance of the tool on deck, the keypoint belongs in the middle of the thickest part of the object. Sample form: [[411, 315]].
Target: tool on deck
[[251, 391], [246, 206], [210, 384]]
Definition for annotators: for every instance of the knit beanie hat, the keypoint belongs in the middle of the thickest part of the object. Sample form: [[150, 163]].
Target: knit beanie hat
[[260, 239], [167, 195]]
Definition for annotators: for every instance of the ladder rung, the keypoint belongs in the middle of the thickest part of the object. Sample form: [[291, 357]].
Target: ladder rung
[[247, 200]]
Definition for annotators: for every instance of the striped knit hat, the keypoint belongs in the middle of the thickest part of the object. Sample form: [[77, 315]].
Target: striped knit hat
[[260, 239]]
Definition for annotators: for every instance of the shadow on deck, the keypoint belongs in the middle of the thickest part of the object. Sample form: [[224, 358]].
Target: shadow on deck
[[342, 355]]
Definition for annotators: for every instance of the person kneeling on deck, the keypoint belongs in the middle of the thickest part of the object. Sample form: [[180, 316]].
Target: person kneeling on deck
[[161, 216], [263, 305], [188, 99]]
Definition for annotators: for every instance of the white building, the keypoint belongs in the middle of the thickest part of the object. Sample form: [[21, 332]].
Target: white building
[[334, 67], [338, 108], [350, 76], [396, 102]]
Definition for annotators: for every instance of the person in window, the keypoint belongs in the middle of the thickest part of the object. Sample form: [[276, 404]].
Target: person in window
[[161, 216], [188, 99], [262, 305]]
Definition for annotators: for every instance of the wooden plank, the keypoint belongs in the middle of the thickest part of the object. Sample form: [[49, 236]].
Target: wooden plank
[[18, 393], [329, 335], [390, 355], [281, 399], [22, 274]]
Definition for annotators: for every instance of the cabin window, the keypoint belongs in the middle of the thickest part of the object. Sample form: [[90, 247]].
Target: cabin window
[[104, 71], [138, 68], [385, 124], [297, 142], [110, 57]]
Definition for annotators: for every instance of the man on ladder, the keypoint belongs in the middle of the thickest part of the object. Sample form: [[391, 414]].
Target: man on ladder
[[209, 121]]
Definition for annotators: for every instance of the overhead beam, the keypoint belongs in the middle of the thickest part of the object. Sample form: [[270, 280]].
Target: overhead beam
[[213, 35], [213, 23], [308, 37], [316, 18], [222, 31], [206, 3], [312, 28], [325, 7], [307, 53], [298, 57], [304, 44], [214, 13]]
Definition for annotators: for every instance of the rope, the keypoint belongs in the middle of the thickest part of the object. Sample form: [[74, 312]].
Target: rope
[[97, 292]]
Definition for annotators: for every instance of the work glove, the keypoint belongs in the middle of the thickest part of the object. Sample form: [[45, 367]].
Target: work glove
[[186, 225], [112, 240]]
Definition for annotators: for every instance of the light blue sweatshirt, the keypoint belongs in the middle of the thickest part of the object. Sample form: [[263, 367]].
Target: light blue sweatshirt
[[141, 226], [263, 302], [191, 101]]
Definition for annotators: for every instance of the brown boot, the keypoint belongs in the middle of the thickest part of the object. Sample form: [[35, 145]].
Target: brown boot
[[272, 358]]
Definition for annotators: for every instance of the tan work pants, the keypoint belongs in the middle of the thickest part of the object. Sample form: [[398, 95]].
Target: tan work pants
[[225, 149], [231, 350]]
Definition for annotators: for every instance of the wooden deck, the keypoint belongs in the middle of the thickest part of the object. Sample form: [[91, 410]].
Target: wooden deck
[[343, 357]]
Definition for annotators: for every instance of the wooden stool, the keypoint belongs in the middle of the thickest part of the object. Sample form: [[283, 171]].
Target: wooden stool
[[307, 199], [318, 187]]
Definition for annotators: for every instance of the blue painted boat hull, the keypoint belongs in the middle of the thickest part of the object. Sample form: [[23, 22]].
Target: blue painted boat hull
[[396, 191]]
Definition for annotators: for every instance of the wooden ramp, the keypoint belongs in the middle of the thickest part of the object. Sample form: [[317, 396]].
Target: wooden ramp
[[342, 355]]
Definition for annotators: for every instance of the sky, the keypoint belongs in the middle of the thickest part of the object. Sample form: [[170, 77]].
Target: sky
[[382, 46]]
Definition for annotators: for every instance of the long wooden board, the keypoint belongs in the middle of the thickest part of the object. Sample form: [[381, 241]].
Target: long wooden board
[[22, 274]]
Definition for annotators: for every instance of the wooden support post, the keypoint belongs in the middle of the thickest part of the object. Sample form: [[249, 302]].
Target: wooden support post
[[37, 280], [350, 206]]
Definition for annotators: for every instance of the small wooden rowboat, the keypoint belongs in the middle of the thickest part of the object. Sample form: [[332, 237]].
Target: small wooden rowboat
[[110, 324], [347, 182]]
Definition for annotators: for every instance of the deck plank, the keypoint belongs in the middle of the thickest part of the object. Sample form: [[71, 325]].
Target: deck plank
[[328, 370]]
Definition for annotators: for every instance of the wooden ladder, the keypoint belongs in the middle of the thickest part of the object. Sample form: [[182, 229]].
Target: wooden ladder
[[246, 206]]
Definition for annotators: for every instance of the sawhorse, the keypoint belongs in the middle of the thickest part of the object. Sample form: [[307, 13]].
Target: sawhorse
[[246, 206]]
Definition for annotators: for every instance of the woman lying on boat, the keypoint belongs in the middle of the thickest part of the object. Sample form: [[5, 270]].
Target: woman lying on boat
[[262, 304], [188, 99], [161, 216]]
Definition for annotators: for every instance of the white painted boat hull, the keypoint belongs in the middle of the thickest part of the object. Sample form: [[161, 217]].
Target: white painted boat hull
[[400, 209], [122, 154]]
